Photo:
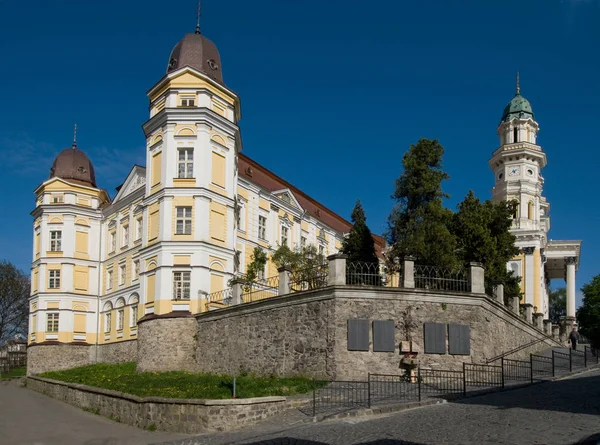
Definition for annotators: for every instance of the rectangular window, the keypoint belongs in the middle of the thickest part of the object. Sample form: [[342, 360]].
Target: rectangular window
[[57, 200], [54, 279], [125, 235], [122, 273], [321, 249], [184, 221], [52, 323], [302, 241], [136, 269], [188, 101], [262, 227], [55, 241], [138, 228], [284, 235], [113, 241], [185, 165], [181, 285], [109, 277], [107, 322], [241, 217], [120, 319], [134, 316]]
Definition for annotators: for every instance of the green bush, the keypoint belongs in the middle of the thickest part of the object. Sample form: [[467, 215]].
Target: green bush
[[15, 372], [180, 384]]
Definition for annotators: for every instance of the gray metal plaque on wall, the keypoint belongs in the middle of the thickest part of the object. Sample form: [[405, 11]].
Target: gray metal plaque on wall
[[459, 339], [435, 338], [358, 335], [383, 336]]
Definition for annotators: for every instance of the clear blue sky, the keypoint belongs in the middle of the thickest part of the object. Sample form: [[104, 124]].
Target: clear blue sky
[[333, 93]]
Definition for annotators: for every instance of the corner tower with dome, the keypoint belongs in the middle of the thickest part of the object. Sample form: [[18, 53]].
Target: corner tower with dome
[[517, 165], [177, 231]]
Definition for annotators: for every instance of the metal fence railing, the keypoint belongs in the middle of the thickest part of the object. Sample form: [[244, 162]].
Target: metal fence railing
[[365, 274], [438, 278], [309, 279], [425, 383], [261, 289], [219, 299], [12, 359]]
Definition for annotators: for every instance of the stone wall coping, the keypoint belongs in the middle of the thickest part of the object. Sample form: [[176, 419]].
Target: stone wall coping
[[163, 400], [379, 293]]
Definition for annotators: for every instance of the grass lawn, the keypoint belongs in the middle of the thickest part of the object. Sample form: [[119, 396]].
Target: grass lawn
[[179, 384], [15, 372]]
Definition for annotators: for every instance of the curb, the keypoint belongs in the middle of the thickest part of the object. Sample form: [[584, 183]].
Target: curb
[[377, 410]]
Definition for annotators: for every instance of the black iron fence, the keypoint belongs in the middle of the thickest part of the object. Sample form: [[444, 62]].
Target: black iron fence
[[309, 278], [361, 273], [261, 289], [423, 383], [439, 278]]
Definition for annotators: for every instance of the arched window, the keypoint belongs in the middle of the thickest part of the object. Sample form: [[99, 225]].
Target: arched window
[[516, 212], [516, 135], [530, 210]]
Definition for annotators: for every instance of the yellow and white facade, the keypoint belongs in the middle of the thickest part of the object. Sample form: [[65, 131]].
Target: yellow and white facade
[[178, 229]]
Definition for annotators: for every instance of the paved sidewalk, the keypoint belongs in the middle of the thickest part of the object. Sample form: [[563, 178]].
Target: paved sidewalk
[[561, 412], [30, 418]]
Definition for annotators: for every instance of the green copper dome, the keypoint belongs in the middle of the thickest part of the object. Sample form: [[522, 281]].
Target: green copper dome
[[517, 108]]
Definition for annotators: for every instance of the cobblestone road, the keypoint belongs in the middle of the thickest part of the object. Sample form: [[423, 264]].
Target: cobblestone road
[[557, 413]]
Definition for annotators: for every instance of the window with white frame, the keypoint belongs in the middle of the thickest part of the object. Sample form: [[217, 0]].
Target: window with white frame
[[55, 241], [185, 164], [120, 319], [125, 239], [284, 235], [188, 101], [321, 249], [107, 322], [134, 316], [181, 285], [136, 269], [138, 228], [54, 279], [109, 279], [113, 241], [302, 241], [52, 322], [241, 217], [122, 273], [262, 227], [260, 274], [183, 221]]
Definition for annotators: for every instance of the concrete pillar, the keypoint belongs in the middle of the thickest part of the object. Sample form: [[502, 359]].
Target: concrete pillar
[[528, 274], [408, 273], [570, 263], [499, 288], [284, 281], [538, 320], [513, 305], [556, 332], [547, 327], [237, 291], [528, 312], [477, 277], [336, 273]]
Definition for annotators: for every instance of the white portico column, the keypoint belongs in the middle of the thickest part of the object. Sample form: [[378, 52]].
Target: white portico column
[[570, 262], [529, 281]]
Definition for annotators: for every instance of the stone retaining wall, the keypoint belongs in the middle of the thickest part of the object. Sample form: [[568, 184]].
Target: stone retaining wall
[[54, 357], [174, 415], [119, 352]]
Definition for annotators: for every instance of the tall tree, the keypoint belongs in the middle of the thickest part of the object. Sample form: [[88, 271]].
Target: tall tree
[[418, 224], [482, 234], [359, 244], [258, 260], [588, 315], [558, 304], [308, 267], [14, 301]]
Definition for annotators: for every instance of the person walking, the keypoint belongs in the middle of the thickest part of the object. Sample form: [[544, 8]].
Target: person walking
[[574, 337]]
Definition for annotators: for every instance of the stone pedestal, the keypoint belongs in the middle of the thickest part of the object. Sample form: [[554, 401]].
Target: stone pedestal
[[499, 288], [408, 273], [336, 274], [477, 277], [528, 312], [284, 281], [513, 305], [237, 290], [548, 327], [556, 332], [538, 320]]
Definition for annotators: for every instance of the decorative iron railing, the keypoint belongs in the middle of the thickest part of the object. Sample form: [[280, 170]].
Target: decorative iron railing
[[220, 298], [260, 290], [309, 279], [361, 273], [438, 278]]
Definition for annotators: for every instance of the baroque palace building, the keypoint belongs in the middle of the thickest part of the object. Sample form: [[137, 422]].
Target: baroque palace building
[[180, 228], [517, 165]]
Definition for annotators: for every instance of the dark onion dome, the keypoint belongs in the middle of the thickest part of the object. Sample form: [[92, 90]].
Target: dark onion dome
[[74, 165], [517, 108], [199, 53]]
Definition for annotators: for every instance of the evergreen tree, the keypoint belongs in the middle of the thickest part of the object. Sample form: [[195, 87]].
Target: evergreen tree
[[418, 224], [359, 244], [588, 315], [558, 304], [482, 235]]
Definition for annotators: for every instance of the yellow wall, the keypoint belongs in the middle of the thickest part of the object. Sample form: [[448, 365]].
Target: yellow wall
[[218, 223], [218, 169], [79, 323], [37, 244], [182, 260], [156, 166], [216, 283], [35, 280], [81, 242], [187, 80], [150, 288], [153, 222], [81, 279]]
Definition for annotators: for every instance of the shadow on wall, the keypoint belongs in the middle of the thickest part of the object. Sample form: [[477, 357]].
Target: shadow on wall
[[292, 441], [560, 395]]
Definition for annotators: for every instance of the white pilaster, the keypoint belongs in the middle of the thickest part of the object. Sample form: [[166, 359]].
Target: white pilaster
[[570, 262], [529, 281]]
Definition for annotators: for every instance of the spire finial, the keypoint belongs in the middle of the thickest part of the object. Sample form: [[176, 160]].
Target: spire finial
[[518, 83], [198, 15], [74, 137]]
